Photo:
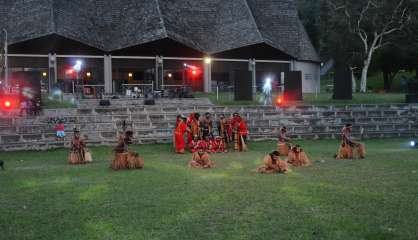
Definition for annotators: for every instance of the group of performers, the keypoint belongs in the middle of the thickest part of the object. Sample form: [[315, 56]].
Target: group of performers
[[123, 157], [294, 154], [202, 143], [201, 133]]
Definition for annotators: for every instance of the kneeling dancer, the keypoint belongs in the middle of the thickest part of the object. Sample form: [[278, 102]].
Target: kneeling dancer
[[79, 154], [201, 158], [297, 157], [125, 159], [284, 142], [348, 146], [273, 164]]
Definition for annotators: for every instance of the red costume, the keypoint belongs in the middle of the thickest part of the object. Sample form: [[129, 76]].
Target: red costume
[[219, 145], [241, 133], [180, 144]]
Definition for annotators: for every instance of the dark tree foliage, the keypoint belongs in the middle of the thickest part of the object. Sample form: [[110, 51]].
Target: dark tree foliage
[[331, 37]]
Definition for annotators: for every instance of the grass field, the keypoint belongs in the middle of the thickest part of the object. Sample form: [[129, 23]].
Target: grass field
[[41, 197], [227, 99]]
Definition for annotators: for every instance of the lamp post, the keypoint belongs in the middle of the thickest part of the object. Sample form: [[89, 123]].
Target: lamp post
[[6, 64]]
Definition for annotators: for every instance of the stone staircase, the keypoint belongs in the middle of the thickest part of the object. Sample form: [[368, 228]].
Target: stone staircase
[[154, 124]]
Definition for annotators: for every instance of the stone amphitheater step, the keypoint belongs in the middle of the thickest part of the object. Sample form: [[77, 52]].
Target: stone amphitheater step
[[155, 123]]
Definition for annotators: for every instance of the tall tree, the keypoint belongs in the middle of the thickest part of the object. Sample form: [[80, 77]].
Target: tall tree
[[372, 22]]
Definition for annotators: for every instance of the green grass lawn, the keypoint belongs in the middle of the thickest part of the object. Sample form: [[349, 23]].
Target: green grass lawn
[[41, 197], [51, 103], [227, 99]]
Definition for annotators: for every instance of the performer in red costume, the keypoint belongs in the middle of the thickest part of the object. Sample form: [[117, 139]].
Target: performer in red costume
[[179, 132]]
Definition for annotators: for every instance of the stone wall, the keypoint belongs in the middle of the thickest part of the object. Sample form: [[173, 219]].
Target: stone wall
[[154, 124]]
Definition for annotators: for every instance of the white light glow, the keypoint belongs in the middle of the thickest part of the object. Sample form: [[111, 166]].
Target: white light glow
[[78, 65]]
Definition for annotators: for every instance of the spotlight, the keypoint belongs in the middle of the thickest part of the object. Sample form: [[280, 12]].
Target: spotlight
[[7, 104], [194, 72], [77, 65], [208, 60], [88, 74], [412, 144], [44, 74], [170, 75], [130, 75]]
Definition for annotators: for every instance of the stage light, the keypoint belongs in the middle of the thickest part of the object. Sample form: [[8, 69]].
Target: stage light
[[70, 71], [194, 72], [412, 144], [130, 75], [77, 65], [208, 60], [279, 101], [8, 103], [88, 74], [267, 86], [185, 65], [44, 74], [170, 75]]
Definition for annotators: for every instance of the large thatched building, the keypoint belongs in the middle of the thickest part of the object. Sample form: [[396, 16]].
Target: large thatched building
[[156, 41]]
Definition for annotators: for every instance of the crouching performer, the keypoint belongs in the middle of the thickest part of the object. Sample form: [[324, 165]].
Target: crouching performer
[[79, 154], [125, 159], [297, 157], [273, 164], [284, 142], [349, 148], [201, 158]]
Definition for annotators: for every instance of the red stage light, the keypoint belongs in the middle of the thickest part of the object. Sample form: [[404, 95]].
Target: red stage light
[[194, 72], [279, 101], [7, 104], [69, 71]]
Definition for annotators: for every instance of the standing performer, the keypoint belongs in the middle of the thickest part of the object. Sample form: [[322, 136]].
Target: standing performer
[[189, 121], [297, 157], [125, 159], [240, 131], [201, 158], [273, 164], [224, 129], [179, 132], [206, 126], [284, 142], [348, 146], [79, 154], [194, 126]]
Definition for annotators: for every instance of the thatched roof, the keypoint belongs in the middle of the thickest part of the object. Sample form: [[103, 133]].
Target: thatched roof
[[209, 26]]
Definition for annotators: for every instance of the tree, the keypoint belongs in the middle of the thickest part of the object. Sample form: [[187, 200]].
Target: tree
[[372, 21]]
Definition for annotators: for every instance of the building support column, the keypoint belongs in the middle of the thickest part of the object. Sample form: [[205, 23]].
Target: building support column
[[207, 75], [253, 70], [159, 73], [108, 82], [52, 71]]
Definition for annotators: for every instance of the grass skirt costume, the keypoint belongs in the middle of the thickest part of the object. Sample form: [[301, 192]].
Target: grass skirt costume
[[272, 166], [78, 154], [297, 157], [125, 159]]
